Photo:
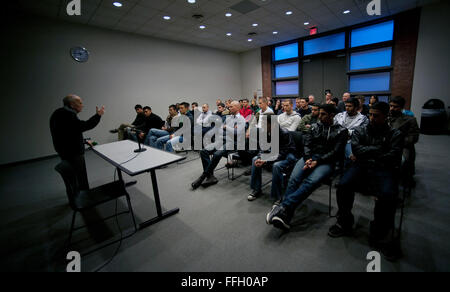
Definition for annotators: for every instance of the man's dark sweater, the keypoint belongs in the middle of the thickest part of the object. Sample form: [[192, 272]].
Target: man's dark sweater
[[139, 121], [151, 122], [67, 132], [303, 112]]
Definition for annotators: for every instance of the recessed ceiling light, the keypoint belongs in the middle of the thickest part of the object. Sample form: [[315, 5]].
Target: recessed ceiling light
[[191, 1], [289, 13], [306, 23], [167, 17], [229, 34], [346, 12], [202, 27], [250, 40], [117, 4], [228, 14], [254, 24], [275, 32]]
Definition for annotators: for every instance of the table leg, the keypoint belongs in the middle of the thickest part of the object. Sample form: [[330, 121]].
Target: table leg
[[161, 215]]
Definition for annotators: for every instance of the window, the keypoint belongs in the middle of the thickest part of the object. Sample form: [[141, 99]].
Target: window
[[286, 70], [374, 82], [286, 87], [324, 44], [286, 52], [371, 59], [373, 34]]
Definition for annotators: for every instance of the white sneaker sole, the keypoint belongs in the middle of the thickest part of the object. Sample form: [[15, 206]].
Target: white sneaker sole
[[279, 223]]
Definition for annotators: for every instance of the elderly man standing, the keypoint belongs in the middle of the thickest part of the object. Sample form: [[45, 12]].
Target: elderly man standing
[[67, 133]]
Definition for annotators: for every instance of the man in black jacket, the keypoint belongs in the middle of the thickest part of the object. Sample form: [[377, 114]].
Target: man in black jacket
[[139, 121], [152, 121], [378, 151], [67, 133], [324, 146]]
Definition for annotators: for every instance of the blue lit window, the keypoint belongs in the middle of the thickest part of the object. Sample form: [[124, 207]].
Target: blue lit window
[[371, 59], [286, 52], [286, 88], [370, 82], [324, 44], [373, 34], [286, 70]]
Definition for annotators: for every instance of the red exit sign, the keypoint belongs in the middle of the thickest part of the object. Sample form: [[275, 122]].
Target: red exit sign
[[313, 31]]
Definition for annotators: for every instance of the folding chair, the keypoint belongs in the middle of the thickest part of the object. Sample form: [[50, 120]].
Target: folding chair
[[82, 200]]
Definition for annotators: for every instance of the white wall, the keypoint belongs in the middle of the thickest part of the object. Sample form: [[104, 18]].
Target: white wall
[[123, 70], [251, 73], [432, 71]]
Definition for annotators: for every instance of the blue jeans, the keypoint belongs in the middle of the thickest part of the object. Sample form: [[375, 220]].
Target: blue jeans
[[278, 169], [154, 135], [303, 182], [209, 165], [172, 142]]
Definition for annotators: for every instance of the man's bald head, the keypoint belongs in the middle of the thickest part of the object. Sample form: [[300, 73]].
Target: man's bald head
[[235, 107], [74, 102]]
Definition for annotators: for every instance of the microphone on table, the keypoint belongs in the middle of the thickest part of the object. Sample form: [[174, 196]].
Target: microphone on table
[[140, 150]]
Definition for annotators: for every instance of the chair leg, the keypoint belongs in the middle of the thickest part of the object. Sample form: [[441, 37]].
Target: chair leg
[[329, 202], [71, 228], [131, 211]]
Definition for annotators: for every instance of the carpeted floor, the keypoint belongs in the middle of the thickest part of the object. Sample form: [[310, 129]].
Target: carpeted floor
[[217, 229]]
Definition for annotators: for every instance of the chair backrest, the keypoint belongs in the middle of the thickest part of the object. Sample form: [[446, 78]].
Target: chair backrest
[[69, 176]]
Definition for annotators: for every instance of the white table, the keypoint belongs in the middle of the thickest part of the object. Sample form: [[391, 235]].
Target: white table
[[122, 156]]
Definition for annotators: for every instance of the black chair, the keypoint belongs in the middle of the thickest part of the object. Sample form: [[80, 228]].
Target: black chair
[[367, 192], [82, 200]]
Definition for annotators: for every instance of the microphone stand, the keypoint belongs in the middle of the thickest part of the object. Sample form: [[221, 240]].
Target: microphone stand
[[140, 150]]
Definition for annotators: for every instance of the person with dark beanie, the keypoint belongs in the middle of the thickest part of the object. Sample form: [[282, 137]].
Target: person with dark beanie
[[67, 134], [378, 152]]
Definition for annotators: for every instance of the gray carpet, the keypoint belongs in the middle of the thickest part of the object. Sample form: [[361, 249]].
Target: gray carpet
[[217, 229]]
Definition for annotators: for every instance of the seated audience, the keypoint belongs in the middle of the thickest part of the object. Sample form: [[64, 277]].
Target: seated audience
[[205, 114], [246, 112], [235, 124], [254, 106], [289, 120], [341, 105], [324, 145], [152, 121], [334, 101], [329, 97], [373, 100], [308, 120], [278, 110], [185, 116], [351, 119], [363, 107], [270, 102], [378, 149], [256, 122], [160, 136], [303, 108], [138, 122], [410, 130], [222, 110], [281, 163], [194, 107]]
